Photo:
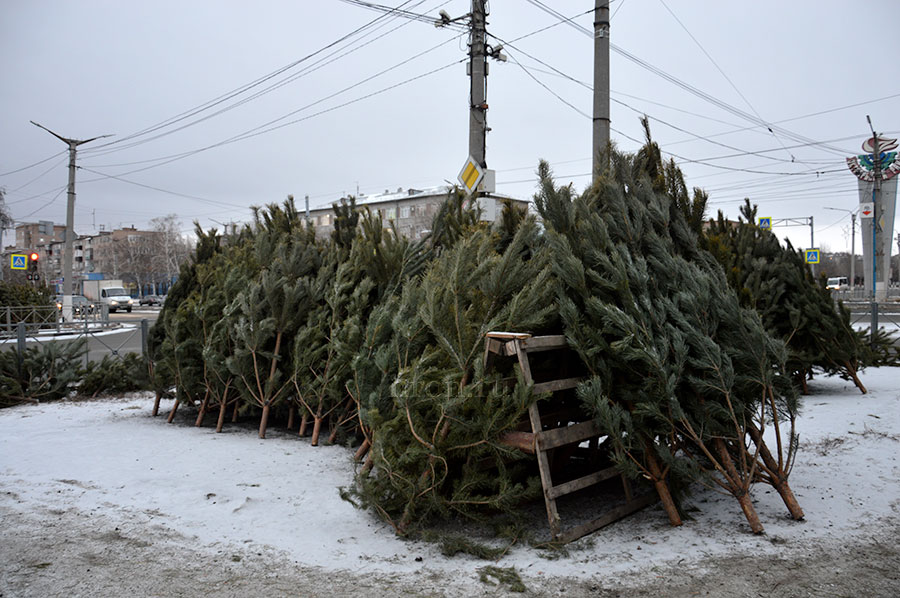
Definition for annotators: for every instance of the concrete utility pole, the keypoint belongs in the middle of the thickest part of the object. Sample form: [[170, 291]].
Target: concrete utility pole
[[852, 250], [478, 72], [601, 86], [876, 200], [68, 279], [812, 244]]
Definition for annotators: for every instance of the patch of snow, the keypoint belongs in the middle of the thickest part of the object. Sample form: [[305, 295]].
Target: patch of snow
[[232, 489]]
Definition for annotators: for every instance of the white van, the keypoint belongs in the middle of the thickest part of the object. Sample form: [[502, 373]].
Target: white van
[[116, 298], [837, 283]]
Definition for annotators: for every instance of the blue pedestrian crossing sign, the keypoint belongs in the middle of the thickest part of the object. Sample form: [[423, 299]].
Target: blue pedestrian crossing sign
[[812, 256], [18, 261], [765, 222]]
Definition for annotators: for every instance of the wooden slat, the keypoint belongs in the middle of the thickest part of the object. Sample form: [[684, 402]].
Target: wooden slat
[[607, 518], [492, 345], [525, 367], [524, 441], [538, 343], [508, 335], [583, 482], [540, 442], [544, 343], [555, 385], [546, 479], [550, 439]]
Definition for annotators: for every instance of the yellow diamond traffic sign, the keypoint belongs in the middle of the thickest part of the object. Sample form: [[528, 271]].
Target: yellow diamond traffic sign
[[470, 175]]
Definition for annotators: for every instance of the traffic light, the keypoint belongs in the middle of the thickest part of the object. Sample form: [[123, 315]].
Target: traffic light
[[33, 256]]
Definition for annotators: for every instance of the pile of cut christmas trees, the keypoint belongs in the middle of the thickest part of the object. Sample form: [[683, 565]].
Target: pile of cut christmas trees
[[378, 341]]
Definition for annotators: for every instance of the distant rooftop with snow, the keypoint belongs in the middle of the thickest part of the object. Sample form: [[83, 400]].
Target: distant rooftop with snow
[[363, 199]]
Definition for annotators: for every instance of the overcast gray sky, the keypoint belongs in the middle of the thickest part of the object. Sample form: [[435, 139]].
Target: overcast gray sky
[[387, 106]]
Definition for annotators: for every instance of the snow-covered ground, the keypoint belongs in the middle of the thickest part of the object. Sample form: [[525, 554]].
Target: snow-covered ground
[[100, 498]]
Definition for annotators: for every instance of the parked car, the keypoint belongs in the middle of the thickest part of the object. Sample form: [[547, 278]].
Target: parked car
[[81, 305], [150, 300]]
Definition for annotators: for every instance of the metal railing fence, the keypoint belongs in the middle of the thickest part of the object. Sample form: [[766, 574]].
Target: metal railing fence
[[42, 324]]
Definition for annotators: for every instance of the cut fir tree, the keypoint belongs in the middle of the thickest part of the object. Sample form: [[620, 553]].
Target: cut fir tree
[[673, 383]]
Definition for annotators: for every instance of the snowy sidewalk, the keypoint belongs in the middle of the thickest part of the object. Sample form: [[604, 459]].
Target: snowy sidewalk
[[112, 460]]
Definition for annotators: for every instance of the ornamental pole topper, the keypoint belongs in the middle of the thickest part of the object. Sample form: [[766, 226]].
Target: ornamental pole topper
[[864, 166]]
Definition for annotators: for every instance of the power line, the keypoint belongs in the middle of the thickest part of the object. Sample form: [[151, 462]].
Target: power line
[[678, 82], [406, 14], [542, 84], [739, 129], [303, 108], [727, 78], [54, 198], [260, 130], [36, 195], [38, 163], [562, 17], [310, 69], [244, 88], [548, 27], [717, 102], [683, 159], [696, 136], [40, 176], [175, 193]]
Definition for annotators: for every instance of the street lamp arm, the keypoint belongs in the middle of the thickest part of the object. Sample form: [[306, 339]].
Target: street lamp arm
[[93, 139], [69, 141], [63, 139], [842, 210]]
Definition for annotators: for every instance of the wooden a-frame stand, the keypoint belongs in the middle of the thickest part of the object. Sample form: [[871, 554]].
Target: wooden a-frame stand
[[558, 429]]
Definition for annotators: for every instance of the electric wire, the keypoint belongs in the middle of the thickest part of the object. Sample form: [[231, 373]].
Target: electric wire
[[683, 85], [46, 205], [321, 63], [40, 176], [36, 195], [161, 190], [407, 14], [291, 113], [719, 103], [238, 91], [548, 27], [727, 78], [807, 143], [546, 87], [38, 163], [582, 113], [737, 128], [257, 131]]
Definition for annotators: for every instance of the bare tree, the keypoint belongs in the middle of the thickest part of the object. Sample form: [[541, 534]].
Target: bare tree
[[133, 258], [6, 221], [173, 249]]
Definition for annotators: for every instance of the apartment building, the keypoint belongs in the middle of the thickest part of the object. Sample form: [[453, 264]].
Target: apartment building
[[411, 210]]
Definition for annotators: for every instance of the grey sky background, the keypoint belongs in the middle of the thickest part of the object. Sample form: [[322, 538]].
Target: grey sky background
[[388, 107]]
